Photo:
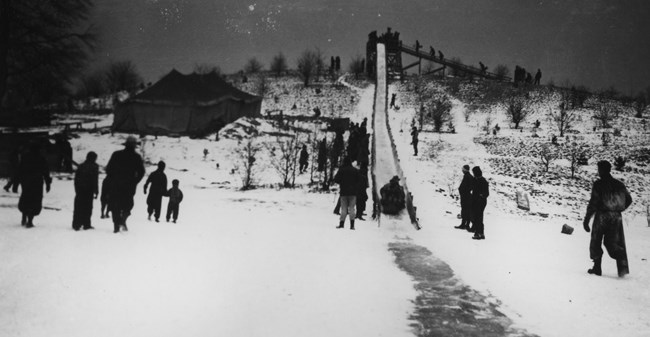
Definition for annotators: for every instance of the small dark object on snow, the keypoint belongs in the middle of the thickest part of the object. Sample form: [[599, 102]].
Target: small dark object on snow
[[566, 229]]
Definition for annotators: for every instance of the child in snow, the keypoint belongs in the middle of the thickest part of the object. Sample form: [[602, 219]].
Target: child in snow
[[175, 197]]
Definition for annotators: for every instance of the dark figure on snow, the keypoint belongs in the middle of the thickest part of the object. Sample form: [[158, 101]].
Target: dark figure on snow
[[538, 76], [414, 140], [322, 155], [480, 194], [86, 189], [484, 68], [158, 181], [124, 170], [349, 179], [304, 159], [432, 51], [14, 163], [175, 197], [441, 55], [32, 173], [393, 199], [105, 197], [392, 100], [609, 198], [465, 192], [338, 63], [65, 153], [529, 78]]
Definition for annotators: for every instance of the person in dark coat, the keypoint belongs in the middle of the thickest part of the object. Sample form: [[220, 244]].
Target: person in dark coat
[[105, 197], [465, 192], [125, 169], [304, 159], [86, 188], [414, 140], [175, 197], [538, 76], [392, 100], [393, 199], [158, 181], [480, 194], [32, 172], [362, 194], [322, 155], [609, 197], [349, 179]]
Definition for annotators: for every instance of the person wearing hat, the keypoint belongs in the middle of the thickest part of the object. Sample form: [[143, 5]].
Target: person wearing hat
[[158, 181], [393, 199], [348, 178], [124, 171], [480, 194], [609, 197], [465, 192], [86, 188]]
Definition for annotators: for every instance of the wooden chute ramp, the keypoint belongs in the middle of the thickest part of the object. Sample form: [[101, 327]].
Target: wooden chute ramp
[[385, 159]]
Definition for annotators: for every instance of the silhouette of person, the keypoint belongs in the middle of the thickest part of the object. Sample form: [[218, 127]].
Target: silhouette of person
[[538, 76]]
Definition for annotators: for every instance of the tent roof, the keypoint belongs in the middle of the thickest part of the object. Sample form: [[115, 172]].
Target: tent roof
[[176, 88]]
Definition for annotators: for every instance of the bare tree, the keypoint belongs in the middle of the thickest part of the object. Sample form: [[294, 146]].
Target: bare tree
[[605, 112], [565, 117], [92, 85], [640, 104], [516, 109], [307, 65], [547, 155], [575, 152], [502, 71], [43, 46], [284, 155], [253, 66], [440, 112], [279, 64], [122, 75], [356, 66], [247, 159], [205, 68]]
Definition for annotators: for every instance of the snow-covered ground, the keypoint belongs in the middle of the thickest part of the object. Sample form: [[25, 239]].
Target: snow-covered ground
[[537, 273], [269, 262]]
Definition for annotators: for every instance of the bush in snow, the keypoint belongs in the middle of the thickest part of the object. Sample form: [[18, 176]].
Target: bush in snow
[[606, 138], [577, 154], [516, 109], [279, 64], [619, 163], [440, 112], [284, 155], [564, 117], [605, 112], [247, 159], [253, 66], [546, 155]]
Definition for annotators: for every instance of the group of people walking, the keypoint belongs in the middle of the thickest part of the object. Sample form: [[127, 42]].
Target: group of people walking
[[124, 171], [474, 191]]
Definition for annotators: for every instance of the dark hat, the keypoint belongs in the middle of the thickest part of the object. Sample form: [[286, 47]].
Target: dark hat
[[394, 178], [477, 171], [132, 141], [466, 168], [604, 166]]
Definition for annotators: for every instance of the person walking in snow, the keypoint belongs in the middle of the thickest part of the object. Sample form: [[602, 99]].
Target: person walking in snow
[[465, 192], [175, 197], [124, 170], [348, 178], [480, 193], [392, 100], [304, 158], [609, 197], [414, 140], [86, 189], [158, 181], [32, 173]]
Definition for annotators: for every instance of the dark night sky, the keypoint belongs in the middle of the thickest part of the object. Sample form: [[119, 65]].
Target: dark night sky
[[598, 43]]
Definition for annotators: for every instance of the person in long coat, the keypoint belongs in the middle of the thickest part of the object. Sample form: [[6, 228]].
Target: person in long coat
[[304, 159], [348, 178], [125, 169], [158, 181], [465, 192], [480, 194], [414, 140], [32, 173], [609, 197], [86, 188], [393, 199]]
